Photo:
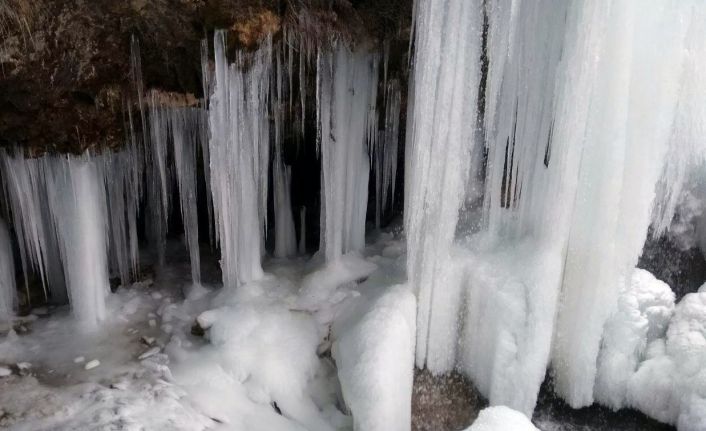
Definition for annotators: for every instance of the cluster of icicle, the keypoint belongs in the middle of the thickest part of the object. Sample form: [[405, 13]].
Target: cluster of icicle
[[593, 116], [70, 213], [75, 217]]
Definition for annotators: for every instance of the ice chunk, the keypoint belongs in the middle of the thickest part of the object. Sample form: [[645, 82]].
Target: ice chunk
[[501, 418], [92, 364]]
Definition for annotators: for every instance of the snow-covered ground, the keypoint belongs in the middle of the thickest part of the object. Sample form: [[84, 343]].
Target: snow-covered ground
[[263, 362]]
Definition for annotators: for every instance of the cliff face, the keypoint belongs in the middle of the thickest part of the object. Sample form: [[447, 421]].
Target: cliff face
[[65, 65]]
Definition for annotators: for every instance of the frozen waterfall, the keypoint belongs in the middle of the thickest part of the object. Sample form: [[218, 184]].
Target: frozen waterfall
[[583, 104]]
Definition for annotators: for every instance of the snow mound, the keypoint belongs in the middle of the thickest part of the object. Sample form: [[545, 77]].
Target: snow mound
[[501, 418], [374, 352], [645, 306], [266, 345], [322, 286]]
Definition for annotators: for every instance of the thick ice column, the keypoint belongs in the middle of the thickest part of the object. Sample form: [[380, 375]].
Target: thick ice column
[[77, 202], [634, 101], [512, 274], [8, 289], [440, 149], [239, 153], [185, 132], [346, 89]]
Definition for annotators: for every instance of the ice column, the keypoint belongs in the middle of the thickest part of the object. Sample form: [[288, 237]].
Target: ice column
[[642, 64], [8, 289], [239, 153], [346, 93], [440, 145], [77, 201]]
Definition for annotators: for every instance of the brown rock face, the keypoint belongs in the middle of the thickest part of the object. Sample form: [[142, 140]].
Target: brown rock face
[[65, 65]]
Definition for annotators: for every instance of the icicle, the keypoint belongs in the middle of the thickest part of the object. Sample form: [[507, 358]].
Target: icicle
[[185, 132], [346, 85], [239, 154], [8, 289], [25, 184], [203, 132], [302, 231], [123, 177]]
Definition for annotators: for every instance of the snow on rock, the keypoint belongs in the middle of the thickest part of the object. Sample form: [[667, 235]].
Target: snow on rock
[[670, 385], [4, 371], [501, 418], [374, 353], [645, 306]]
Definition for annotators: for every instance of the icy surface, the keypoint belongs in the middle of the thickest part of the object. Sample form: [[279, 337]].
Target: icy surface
[[263, 363], [501, 418]]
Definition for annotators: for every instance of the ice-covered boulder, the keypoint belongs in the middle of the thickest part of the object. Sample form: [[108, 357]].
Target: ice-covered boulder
[[645, 306], [670, 385]]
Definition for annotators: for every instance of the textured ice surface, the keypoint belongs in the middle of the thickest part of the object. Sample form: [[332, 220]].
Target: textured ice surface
[[645, 306]]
